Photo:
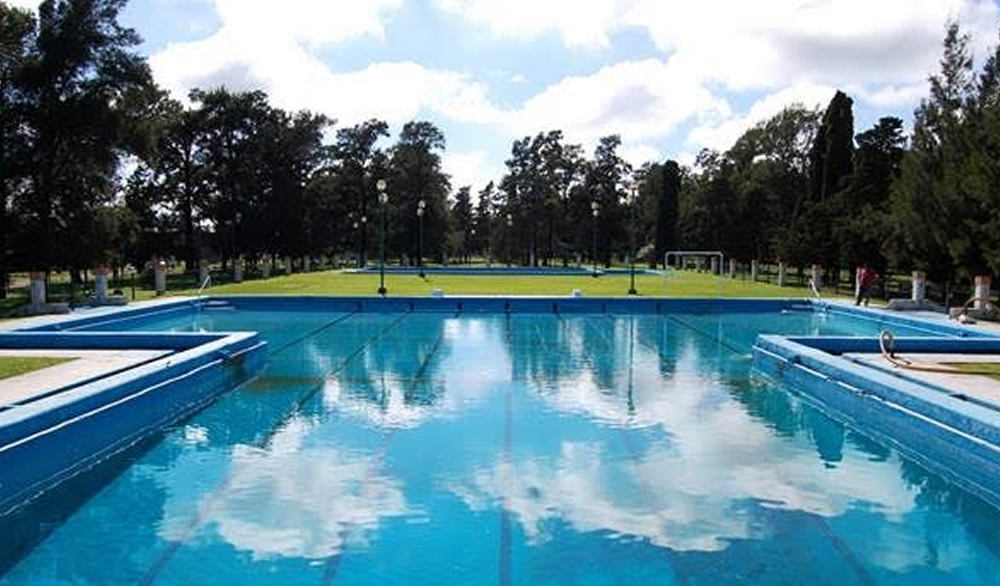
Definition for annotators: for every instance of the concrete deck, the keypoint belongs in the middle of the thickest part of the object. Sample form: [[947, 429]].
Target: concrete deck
[[981, 387], [44, 320], [88, 364]]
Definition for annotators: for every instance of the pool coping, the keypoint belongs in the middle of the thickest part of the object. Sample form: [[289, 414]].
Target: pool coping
[[49, 438], [811, 364]]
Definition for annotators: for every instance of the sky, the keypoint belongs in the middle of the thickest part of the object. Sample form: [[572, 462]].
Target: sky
[[670, 77]]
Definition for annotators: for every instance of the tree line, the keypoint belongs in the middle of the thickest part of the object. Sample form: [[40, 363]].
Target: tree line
[[102, 167]]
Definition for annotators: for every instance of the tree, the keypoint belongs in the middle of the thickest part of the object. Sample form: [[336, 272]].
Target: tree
[[17, 29], [667, 209], [74, 86], [604, 183], [350, 180], [461, 215], [416, 174], [929, 202], [861, 228]]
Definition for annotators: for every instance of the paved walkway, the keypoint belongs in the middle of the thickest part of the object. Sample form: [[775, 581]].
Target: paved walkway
[[88, 364], [43, 320], [981, 387]]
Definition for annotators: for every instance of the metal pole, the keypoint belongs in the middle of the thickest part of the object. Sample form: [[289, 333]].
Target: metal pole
[[381, 253], [420, 247], [383, 199], [595, 212], [631, 268]]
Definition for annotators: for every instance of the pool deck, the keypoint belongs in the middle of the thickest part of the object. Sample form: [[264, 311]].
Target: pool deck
[[87, 365], [981, 387]]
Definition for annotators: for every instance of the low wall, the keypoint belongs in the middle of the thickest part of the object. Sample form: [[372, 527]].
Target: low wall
[[48, 440]]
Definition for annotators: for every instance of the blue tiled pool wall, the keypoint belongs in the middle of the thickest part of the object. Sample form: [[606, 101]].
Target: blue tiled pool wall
[[954, 436], [741, 556], [48, 440], [701, 315]]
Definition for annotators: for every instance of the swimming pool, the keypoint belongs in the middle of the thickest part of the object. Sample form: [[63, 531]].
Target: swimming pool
[[547, 448]]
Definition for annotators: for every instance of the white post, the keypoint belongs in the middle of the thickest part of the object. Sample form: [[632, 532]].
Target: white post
[[265, 269], [715, 265], [782, 271], [306, 264], [817, 277], [101, 284], [238, 270], [857, 281], [288, 266], [160, 277], [732, 268], [982, 291], [919, 286], [37, 289], [753, 270], [202, 273]]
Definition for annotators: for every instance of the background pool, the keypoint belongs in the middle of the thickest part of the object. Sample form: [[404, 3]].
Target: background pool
[[426, 448]]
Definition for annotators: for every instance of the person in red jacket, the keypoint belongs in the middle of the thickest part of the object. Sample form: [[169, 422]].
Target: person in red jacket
[[866, 280]]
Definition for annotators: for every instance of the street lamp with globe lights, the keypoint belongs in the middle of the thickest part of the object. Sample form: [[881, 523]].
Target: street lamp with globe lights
[[633, 198], [383, 199], [595, 212], [510, 239], [421, 205]]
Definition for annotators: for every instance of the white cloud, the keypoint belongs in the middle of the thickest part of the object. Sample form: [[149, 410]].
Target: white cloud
[[689, 487], [296, 79], [791, 50], [312, 21], [577, 23], [721, 133], [638, 99], [470, 168]]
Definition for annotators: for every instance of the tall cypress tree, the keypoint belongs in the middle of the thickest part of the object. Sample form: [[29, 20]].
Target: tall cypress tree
[[831, 156], [667, 209]]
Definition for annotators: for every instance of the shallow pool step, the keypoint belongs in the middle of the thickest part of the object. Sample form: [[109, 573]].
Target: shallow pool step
[[218, 305]]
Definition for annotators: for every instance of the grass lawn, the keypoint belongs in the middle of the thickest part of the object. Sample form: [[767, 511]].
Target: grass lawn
[[990, 369], [678, 284], [17, 365]]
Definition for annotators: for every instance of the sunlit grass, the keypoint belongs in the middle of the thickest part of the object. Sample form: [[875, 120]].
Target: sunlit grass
[[678, 284], [11, 366]]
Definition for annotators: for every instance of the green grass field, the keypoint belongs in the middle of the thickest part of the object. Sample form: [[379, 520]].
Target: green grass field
[[678, 284], [11, 366], [990, 369]]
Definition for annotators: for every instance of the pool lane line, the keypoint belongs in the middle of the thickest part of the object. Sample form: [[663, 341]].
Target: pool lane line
[[838, 543], [504, 557], [332, 566], [714, 337], [303, 400], [645, 487], [312, 333], [844, 550], [154, 571]]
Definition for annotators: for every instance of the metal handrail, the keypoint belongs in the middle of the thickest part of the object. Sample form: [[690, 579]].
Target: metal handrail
[[208, 279]]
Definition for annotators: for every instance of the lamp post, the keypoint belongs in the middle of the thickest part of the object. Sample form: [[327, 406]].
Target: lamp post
[[361, 226], [420, 249], [473, 251], [510, 238], [383, 199], [595, 212], [631, 257]]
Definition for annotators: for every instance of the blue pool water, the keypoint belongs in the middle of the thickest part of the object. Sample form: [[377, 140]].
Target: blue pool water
[[525, 449]]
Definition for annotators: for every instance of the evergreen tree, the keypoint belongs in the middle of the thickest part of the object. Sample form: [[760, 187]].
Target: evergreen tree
[[667, 209]]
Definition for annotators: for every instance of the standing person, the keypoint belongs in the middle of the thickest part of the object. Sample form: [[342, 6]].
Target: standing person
[[866, 280]]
